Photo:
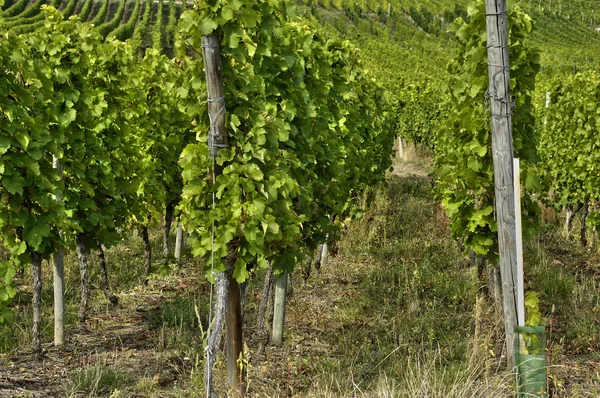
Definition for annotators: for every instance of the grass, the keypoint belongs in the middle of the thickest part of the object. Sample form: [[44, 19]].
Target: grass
[[395, 313], [95, 380]]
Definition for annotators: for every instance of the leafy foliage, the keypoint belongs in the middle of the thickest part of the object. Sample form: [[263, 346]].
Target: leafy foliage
[[465, 179], [111, 122], [307, 133], [569, 140]]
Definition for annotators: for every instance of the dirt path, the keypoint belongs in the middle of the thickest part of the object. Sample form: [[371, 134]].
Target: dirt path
[[125, 338]]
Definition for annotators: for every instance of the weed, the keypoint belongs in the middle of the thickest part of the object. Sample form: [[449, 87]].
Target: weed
[[95, 380]]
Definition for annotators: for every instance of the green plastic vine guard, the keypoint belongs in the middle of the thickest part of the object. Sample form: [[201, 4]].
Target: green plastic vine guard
[[530, 361]]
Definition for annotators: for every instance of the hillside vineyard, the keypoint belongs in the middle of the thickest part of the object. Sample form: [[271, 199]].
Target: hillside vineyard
[[240, 144]]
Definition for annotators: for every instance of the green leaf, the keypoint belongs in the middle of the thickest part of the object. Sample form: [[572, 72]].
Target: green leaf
[[182, 92], [65, 118], [13, 184], [207, 25], [4, 145], [23, 140], [35, 235], [227, 13], [240, 272], [254, 172]]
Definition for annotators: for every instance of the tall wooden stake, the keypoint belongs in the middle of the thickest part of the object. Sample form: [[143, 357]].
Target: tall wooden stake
[[229, 291], [502, 148]]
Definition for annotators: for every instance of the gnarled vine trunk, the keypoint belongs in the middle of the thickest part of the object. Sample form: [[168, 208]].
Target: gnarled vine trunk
[[571, 211], [36, 270], [84, 279], [167, 229], [104, 273], [583, 229], [214, 338], [147, 254], [307, 269]]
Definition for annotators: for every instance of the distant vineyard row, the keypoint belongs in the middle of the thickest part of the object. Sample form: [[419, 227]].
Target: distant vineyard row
[[147, 23]]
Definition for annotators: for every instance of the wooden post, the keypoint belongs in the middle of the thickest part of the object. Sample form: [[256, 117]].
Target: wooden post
[[228, 290], [279, 309], [235, 345], [324, 253], [502, 148], [178, 242], [59, 281], [400, 148], [59, 298]]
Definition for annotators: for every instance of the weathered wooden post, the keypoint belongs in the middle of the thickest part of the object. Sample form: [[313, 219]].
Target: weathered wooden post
[[227, 304], [502, 148]]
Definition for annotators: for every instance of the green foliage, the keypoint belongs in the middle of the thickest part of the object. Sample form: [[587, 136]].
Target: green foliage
[[308, 131], [532, 342], [120, 161], [110, 121], [98, 130], [30, 217], [464, 162], [532, 304], [7, 290], [569, 141], [165, 129]]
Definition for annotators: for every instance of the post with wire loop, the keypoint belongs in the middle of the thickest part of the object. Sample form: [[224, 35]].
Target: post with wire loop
[[502, 149], [227, 304]]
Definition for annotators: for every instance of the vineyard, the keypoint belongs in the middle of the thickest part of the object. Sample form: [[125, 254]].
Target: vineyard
[[299, 199]]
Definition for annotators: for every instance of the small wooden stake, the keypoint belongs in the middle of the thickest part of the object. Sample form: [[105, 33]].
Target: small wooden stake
[[178, 242], [279, 309]]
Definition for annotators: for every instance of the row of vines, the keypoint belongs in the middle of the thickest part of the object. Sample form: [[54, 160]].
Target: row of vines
[[96, 141]]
